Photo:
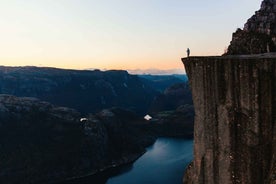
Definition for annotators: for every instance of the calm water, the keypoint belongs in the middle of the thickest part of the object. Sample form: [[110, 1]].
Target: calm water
[[164, 162]]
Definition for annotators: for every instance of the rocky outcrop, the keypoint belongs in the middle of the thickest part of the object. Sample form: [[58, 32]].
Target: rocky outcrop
[[245, 42], [258, 34], [43, 143], [235, 119], [86, 91], [264, 20]]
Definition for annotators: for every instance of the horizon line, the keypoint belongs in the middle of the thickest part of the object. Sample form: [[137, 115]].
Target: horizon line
[[138, 71]]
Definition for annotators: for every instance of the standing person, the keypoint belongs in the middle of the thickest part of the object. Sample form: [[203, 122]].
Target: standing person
[[267, 47], [188, 52]]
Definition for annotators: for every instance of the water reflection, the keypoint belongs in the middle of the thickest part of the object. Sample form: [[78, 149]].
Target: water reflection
[[164, 162]]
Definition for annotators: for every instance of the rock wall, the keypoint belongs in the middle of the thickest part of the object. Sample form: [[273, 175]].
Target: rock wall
[[235, 109]]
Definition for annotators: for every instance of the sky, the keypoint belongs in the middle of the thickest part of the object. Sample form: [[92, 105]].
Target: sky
[[121, 34]]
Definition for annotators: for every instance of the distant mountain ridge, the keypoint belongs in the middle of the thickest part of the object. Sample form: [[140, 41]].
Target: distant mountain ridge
[[86, 91], [153, 71], [150, 71]]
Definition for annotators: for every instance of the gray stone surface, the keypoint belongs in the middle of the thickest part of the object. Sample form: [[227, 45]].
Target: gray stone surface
[[235, 129]]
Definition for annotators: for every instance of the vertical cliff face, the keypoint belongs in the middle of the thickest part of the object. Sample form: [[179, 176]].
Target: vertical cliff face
[[235, 113]]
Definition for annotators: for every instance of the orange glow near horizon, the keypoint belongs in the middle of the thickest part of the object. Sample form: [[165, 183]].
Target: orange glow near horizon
[[110, 35], [163, 61], [80, 65]]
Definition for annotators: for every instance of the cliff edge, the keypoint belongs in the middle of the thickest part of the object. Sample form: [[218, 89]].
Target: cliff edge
[[235, 109]]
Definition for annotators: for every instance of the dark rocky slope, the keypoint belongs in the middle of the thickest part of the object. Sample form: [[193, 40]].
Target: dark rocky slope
[[259, 32], [173, 112], [174, 96], [174, 123], [42, 143], [86, 91], [235, 114]]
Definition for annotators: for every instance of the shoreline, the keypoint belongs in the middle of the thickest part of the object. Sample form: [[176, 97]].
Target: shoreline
[[105, 172]]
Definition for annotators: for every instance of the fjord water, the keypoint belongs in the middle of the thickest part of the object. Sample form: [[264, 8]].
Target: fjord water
[[164, 162]]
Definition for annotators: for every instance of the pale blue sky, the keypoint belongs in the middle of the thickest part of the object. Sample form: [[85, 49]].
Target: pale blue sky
[[125, 34]]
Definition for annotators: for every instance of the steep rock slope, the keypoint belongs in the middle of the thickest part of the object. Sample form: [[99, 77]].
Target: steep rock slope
[[259, 32], [42, 143], [235, 113], [174, 123], [174, 96]]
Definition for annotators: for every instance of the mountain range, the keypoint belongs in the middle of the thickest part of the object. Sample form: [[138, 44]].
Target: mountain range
[[57, 124]]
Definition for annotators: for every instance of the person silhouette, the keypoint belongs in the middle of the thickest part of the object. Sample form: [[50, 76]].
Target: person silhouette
[[188, 52]]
